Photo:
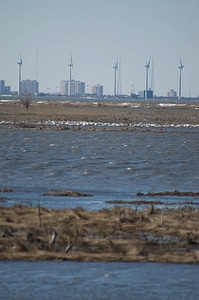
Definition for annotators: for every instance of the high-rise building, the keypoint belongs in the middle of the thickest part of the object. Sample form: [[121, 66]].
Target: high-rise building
[[31, 86], [97, 90], [63, 86], [4, 89], [72, 86], [77, 88], [2, 86]]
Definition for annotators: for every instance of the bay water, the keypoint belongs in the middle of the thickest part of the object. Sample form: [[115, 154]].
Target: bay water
[[110, 165]]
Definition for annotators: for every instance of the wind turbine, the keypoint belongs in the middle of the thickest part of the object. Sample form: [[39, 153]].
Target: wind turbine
[[115, 67], [119, 79], [20, 67], [181, 66], [147, 66], [70, 66]]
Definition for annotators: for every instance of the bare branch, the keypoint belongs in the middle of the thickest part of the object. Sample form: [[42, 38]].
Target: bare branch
[[26, 99]]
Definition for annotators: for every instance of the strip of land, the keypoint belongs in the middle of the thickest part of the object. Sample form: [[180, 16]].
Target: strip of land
[[117, 234], [114, 112]]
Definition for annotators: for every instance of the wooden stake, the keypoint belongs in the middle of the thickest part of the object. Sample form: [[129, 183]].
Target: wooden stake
[[39, 213]]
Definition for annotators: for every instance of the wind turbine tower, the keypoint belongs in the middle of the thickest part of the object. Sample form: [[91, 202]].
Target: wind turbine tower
[[181, 66], [20, 67], [70, 67], [147, 66], [36, 63], [152, 74], [119, 79], [115, 67]]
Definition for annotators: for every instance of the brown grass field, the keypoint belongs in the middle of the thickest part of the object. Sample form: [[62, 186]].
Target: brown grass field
[[126, 113], [117, 234]]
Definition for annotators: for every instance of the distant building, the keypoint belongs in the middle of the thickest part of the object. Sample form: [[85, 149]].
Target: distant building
[[2, 86], [31, 86], [149, 94], [172, 94], [97, 90], [63, 87], [141, 94], [134, 96], [71, 88], [7, 90], [4, 89], [77, 88]]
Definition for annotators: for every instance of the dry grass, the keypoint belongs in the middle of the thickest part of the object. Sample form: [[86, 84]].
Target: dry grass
[[41, 111], [118, 234]]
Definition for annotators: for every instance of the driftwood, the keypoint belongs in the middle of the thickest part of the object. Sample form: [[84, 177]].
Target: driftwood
[[150, 210], [53, 238], [71, 243]]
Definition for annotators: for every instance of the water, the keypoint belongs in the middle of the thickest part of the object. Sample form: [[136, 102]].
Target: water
[[110, 165], [69, 280]]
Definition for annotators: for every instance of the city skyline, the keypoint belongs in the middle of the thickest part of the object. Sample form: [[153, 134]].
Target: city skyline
[[98, 33], [148, 89]]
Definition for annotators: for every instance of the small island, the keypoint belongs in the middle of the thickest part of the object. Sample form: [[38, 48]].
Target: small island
[[118, 234]]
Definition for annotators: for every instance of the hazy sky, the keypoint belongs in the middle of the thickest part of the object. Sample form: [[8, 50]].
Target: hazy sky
[[97, 33]]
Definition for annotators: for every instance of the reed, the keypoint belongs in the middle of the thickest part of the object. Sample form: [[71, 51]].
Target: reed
[[108, 234]]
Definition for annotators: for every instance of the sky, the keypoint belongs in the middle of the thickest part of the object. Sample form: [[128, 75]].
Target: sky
[[98, 33]]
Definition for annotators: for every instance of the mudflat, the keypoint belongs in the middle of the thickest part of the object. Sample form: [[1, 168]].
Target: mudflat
[[115, 112]]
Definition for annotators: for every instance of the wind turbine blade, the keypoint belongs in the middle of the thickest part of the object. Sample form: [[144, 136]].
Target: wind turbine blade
[[20, 59], [71, 59], [115, 65], [147, 64], [181, 65]]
